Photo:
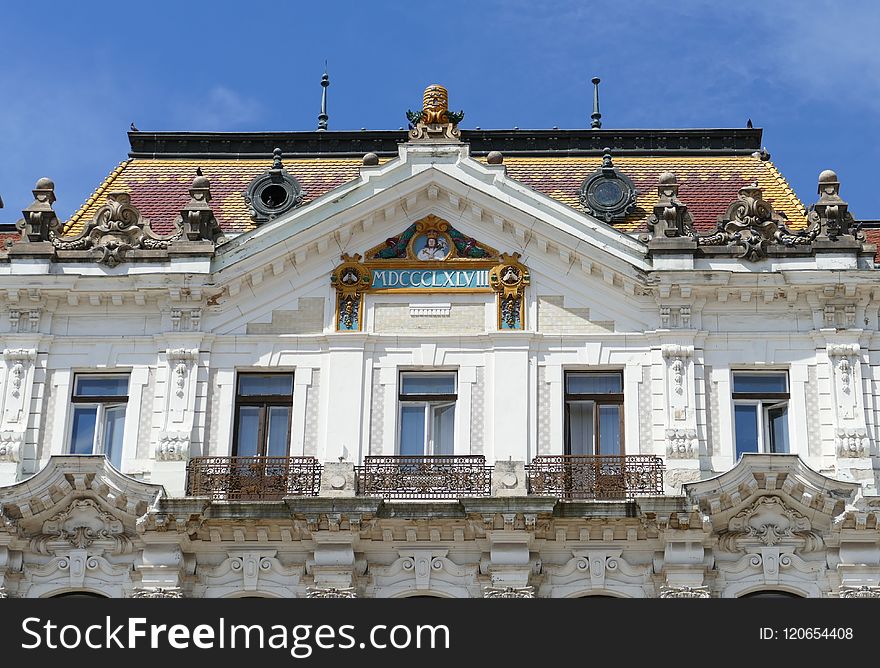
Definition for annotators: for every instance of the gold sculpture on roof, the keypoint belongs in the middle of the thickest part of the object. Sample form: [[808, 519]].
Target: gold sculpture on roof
[[435, 104], [434, 122]]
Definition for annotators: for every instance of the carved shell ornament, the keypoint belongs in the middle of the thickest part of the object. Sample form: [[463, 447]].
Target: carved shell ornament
[[770, 521], [117, 228]]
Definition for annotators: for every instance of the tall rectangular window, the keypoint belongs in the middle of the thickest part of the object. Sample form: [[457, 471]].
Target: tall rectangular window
[[263, 407], [760, 411], [594, 413], [98, 417], [427, 413]]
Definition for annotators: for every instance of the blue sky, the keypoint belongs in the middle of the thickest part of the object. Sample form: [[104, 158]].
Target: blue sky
[[74, 75]]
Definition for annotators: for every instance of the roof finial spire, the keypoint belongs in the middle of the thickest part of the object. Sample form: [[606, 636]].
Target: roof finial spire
[[596, 116], [323, 117]]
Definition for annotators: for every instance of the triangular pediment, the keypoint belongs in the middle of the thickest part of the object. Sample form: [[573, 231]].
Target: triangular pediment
[[591, 271], [431, 240]]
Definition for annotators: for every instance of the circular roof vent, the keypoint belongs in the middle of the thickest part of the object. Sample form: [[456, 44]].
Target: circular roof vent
[[606, 193], [273, 193]]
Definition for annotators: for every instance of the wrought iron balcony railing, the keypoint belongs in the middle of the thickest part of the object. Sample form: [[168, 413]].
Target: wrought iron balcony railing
[[595, 476], [425, 477], [253, 478]]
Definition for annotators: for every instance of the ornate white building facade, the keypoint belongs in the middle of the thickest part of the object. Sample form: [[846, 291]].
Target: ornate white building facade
[[441, 369]]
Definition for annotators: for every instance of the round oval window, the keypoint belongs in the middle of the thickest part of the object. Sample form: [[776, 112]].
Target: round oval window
[[273, 196], [607, 193]]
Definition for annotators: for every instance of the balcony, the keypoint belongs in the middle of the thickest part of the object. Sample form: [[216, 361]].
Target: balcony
[[253, 478], [597, 477], [425, 477]]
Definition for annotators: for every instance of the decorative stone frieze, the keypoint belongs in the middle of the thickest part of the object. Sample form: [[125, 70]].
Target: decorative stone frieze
[[331, 592], [508, 592], [250, 571], [863, 591], [684, 592], [157, 592]]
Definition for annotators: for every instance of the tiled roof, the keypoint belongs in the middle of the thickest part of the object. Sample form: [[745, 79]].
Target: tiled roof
[[708, 184], [160, 187]]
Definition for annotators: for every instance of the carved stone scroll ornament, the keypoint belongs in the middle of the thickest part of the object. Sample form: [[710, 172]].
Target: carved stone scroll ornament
[[510, 280], [351, 279], [331, 592], [82, 525], [117, 228], [769, 522], [434, 123], [752, 224]]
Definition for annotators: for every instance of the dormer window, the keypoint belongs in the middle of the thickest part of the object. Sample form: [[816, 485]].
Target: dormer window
[[606, 193], [273, 192]]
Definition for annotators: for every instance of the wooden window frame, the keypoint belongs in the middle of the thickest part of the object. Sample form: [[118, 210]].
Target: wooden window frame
[[263, 402], [608, 399]]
